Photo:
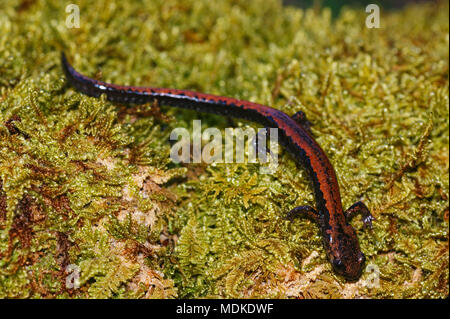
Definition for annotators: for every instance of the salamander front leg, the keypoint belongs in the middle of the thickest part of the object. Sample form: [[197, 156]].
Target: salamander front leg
[[306, 211], [360, 208]]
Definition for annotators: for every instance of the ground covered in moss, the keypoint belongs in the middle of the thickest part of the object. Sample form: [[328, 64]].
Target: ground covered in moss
[[87, 187]]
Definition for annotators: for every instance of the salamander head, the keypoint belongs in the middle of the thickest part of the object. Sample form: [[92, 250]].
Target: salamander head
[[344, 253]]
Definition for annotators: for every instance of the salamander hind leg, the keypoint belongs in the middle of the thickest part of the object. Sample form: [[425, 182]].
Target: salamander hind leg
[[301, 119], [306, 211], [360, 208]]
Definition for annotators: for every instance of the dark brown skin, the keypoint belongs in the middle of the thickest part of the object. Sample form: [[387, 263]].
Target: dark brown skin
[[339, 238]]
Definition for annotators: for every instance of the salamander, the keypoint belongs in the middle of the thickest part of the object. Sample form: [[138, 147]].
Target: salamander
[[339, 238]]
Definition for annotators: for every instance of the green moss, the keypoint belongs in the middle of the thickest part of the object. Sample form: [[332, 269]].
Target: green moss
[[89, 183]]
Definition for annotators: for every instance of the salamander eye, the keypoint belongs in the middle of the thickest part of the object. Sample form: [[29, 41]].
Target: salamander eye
[[338, 264], [362, 259]]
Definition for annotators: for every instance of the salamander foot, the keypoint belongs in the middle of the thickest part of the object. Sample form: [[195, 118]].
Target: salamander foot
[[360, 208]]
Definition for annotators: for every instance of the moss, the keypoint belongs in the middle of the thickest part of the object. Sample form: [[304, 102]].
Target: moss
[[89, 183]]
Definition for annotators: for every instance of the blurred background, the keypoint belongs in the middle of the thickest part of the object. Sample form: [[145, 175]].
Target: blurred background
[[336, 5]]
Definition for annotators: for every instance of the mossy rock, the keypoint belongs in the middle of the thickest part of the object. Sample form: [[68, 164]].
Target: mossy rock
[[87, 187]]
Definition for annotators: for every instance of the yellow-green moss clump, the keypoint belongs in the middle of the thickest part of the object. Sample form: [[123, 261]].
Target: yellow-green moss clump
[[87, 185]]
